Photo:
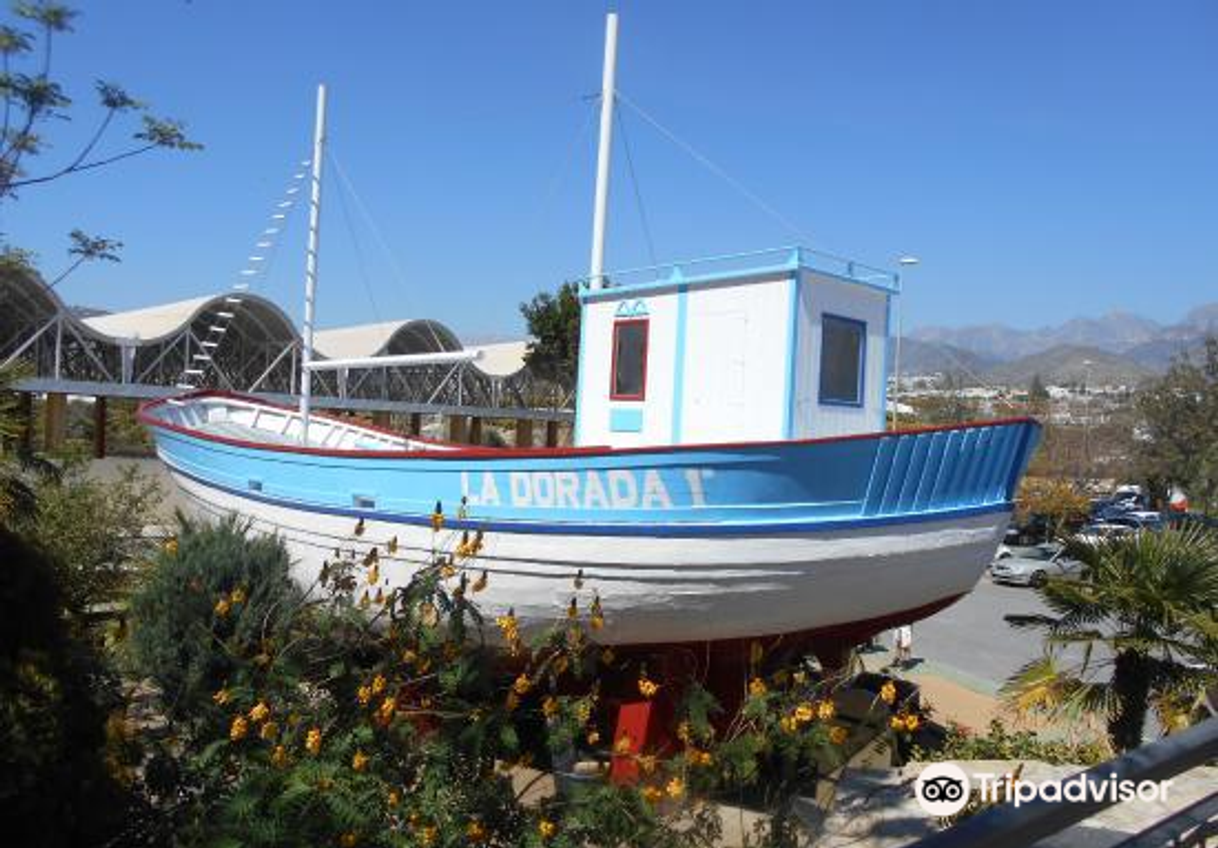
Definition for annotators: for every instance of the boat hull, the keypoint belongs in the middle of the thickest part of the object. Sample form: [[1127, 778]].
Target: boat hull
[[667, 589], [680, 545]]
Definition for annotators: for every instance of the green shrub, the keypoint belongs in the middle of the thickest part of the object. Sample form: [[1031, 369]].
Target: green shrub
[[1002, 744], [54, 697], [215, 595]]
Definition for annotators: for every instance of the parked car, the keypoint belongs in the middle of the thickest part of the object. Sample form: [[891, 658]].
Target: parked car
[[1098, 531], [1033, 566]]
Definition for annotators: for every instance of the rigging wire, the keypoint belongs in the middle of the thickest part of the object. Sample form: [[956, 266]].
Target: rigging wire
[[564, 166], [394, 266], [638, 194], [715, 169], [360, 264]]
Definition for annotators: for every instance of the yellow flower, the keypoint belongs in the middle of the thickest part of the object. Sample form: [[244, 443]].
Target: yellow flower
[[549, 707], [572, 609], [437, 521], [787, 724], [348, 839], [705, 758], [392, 545], [512, 701], [647, 688], [171, 546], [378, 684], [804, 713], [409, 657], [428, 835], [593, 737], [888, 692], [583, 710], [374, 574], [837, 735], [238, 729], [260, 712], [623, 744], [222, 607], [363, 694], [394, 798], [648, 763], [757, 687], [475, 831], [359, 761], [911, 722], [596, 616], [652, 794], [479, 584], [279, 757], [607, 656], [364, 600], [522, 685], [825, 710], [675, 788], [685, 732], [447, 570], [546, 828], [313, 741], [269, 731], [388, 707], [237, 596], [897, 722], [222, 697]]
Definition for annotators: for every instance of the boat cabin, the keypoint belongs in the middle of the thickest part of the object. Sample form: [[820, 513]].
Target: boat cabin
[[781, 344]]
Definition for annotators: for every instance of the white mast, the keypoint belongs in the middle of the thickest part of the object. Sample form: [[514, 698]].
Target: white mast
[[596, 274], [306, 353]]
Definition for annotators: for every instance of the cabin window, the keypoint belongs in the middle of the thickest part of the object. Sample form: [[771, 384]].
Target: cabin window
[[629, 360], [842, 351]]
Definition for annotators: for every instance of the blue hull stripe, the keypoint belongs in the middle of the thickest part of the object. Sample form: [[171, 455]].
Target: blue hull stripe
[[678, 530]]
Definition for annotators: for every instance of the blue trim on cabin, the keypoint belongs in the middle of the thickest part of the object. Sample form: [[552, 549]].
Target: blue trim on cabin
[[883, 422], [678, 374], [788, 392], [668, 530], [862, 369], [749, 263], [580, 382], [762, 275], [625, 420]]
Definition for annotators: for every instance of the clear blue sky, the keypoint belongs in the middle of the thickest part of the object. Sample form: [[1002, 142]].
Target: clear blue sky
[[1044, 159]]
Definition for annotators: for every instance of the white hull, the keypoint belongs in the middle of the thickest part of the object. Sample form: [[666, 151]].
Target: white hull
[[757, 585]]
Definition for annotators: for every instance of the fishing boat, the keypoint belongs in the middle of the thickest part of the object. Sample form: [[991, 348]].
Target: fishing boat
[[732, 475]]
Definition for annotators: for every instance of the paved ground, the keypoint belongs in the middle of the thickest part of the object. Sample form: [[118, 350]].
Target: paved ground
[[971, 643]]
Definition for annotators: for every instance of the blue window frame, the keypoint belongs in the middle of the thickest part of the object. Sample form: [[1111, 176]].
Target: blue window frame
[[843, 357]]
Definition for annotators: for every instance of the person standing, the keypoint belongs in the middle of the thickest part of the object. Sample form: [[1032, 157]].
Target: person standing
[[902, 643]]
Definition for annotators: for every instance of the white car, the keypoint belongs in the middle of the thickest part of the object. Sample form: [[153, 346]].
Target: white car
[[1032, 566]]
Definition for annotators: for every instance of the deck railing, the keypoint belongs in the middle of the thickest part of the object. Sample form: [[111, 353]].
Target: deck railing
[[751, 263], [1007, 826]]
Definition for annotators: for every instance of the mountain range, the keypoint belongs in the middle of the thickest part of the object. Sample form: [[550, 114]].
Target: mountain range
[[1113, 349]]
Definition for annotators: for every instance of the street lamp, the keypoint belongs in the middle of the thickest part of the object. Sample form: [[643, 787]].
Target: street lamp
[[904, 262]]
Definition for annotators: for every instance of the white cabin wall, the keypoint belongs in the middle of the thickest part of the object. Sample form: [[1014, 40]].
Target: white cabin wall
[[817, 296], [595, 411], [735, 363]]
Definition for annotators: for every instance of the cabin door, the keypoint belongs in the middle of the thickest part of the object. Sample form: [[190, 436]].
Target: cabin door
[[715, 367]]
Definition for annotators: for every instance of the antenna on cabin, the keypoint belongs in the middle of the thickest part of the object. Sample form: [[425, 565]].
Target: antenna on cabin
[[306, 353], [596, 272]]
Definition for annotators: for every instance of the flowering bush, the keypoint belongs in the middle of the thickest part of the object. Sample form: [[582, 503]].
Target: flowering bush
[[360, 714]]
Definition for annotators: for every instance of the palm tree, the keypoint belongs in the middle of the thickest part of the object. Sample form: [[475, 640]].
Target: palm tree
[[1142, 616]]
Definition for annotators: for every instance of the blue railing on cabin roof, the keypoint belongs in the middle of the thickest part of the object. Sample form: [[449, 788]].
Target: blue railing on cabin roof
[[749, 264]]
